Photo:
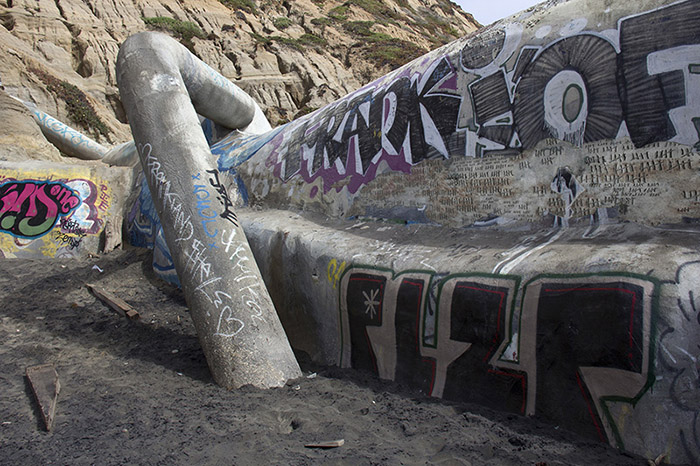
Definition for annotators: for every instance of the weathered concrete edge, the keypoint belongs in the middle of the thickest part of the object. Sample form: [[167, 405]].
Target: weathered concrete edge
[[637, 410]]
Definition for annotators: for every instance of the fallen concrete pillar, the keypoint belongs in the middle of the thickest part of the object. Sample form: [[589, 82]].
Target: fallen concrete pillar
[[65, 138], [163, 87]]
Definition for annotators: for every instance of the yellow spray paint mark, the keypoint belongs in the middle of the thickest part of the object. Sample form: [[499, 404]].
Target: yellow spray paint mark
[[7, 244], [335, 271], [625, 411], [49, 247]]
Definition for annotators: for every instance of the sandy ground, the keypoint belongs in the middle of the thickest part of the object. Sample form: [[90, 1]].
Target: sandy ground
[[140, 392]]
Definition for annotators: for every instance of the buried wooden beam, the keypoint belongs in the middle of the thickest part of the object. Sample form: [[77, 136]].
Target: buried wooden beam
[[45, 386], [326, 444], [114, 302]]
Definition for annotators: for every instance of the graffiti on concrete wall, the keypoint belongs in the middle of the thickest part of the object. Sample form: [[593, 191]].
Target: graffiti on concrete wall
[[146, 231], [49, 216], [143, 219], [30, 209], [335, 271], [70, 234], [459, 337], [681, 360], [641, 80], [409, 119], [579, 367]]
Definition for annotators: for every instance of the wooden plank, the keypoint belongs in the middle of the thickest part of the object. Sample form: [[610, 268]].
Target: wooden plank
[[114, 302], [45, 386], [327, 444]]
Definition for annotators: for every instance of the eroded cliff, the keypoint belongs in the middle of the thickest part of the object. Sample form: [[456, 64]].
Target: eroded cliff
[[292, 57]]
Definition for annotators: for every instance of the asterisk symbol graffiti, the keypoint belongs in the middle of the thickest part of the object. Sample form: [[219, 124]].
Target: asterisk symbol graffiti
[[371, 302]]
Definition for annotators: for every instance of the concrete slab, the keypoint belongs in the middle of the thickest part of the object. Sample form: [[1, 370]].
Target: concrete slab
[[590, 328], [52, 210]]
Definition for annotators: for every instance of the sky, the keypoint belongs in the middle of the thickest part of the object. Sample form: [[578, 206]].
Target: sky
[[488, 11]]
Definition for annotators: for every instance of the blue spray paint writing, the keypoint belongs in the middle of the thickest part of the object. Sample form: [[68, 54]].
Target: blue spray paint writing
[[204, 209]]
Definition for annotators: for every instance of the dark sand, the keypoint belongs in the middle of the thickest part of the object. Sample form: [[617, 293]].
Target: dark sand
[[140, 392]]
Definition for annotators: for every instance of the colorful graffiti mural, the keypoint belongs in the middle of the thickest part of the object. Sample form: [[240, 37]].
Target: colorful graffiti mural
[[491, 96], [639, 80], [540, 122], [50, 214], [459, 337], [30, 208]]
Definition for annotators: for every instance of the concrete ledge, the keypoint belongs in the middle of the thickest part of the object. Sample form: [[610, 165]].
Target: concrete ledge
[[588, 328]]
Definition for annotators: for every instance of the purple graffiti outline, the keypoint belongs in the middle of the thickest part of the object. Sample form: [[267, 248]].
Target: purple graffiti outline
[[91, 202], [401, 161]]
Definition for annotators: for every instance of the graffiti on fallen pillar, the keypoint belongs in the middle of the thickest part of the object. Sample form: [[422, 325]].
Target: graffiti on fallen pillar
[[638, 80], [67, 136], [553, 359], [223, 197]]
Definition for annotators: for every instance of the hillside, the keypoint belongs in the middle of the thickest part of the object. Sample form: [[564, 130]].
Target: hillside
[[292, 57]]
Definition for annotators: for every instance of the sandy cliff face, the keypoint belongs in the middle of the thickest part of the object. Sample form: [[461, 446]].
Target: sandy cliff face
[[292, 57]]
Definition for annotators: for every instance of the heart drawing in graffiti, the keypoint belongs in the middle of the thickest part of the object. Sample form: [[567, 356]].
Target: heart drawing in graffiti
[[228, 325]]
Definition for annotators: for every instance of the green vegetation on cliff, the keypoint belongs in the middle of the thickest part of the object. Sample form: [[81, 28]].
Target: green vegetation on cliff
[[246, 5], [382, 49], [183, 30], [282, 23], [80, 110], [301, 43]]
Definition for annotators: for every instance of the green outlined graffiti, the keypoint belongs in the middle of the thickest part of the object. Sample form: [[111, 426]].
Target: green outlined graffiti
[[577, 345]]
